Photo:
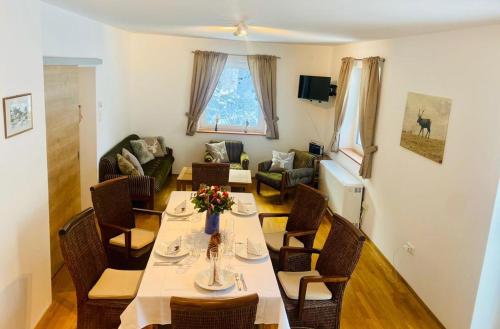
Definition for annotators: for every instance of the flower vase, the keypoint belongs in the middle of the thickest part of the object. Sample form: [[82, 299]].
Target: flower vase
[[212, 222]]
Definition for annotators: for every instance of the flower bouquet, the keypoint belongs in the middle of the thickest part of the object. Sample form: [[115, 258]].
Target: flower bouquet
[[214, 201]]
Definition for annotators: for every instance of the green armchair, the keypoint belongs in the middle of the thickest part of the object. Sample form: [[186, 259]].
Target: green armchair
[[238, 159], [304, 169]]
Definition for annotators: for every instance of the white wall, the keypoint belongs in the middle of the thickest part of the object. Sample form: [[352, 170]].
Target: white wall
[[65, 34], [443, 210], [161, 68], [25, 291], [487, 310]]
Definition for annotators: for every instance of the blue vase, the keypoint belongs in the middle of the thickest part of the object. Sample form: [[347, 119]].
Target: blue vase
[[212, 223]]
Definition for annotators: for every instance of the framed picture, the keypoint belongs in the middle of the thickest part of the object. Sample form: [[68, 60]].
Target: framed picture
[[425, 125], [17, 114]]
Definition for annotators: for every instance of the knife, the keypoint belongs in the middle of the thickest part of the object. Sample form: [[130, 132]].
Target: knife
[[243, 281], [237, 278]]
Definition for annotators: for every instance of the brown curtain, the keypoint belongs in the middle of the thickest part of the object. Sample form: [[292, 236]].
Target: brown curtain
[[368, 105], [207, 69], [340, 100], [263, 70]]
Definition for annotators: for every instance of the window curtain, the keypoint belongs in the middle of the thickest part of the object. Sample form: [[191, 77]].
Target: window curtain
[[263, 70], [340, 100], [207, 69], [368, 105]]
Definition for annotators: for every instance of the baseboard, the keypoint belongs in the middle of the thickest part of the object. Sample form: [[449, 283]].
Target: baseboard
[[329, 216]]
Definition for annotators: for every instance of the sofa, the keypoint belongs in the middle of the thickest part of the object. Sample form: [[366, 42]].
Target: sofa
[[238, 159], [304, 169], [142, 188]]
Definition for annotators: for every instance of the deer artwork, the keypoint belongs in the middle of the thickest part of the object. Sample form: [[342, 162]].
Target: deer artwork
[[424, 124]]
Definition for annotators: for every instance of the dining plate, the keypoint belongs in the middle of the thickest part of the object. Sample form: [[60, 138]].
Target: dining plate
[[187, 212], [244, 213], [241, 251], [201, 279], [161, 251]]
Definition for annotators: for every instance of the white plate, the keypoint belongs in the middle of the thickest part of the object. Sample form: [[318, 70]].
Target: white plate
[[187, 212], [248, 213], [201, 279], [161, 251], [241, 251]]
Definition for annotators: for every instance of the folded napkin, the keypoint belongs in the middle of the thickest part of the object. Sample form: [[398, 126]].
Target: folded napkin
[[173, 247], [244, 207], [254, 248], [215, 278], [180, 208]]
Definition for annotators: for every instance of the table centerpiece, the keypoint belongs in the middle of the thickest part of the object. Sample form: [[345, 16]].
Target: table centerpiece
[[214, 201]]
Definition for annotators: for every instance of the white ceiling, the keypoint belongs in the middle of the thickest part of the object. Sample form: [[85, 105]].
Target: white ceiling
[[294, 21]]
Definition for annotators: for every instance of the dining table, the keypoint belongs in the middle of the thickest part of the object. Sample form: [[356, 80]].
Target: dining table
[[162, 280]]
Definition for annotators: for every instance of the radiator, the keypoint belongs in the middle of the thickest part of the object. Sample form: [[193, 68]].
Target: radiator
[[345, 192]]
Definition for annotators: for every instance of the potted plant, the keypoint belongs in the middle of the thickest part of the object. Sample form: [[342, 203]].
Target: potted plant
[[214, 201]]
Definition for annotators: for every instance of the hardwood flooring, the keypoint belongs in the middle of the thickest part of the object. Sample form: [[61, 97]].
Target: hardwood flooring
[[375, 298]]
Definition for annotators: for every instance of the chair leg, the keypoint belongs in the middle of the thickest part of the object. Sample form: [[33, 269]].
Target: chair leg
[[282, 196], [258, 186]]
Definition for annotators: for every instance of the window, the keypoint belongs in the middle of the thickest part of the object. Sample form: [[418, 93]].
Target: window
[[349, 132], [234, 106]]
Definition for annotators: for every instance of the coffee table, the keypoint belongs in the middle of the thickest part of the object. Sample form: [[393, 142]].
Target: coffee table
[[237, 178]]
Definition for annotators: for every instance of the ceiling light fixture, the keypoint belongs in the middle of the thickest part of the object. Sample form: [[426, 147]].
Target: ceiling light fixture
[[241, 30]]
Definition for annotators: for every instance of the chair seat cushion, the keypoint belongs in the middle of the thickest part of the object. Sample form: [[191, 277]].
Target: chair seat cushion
[[116, 284], [272, 179], [290, 282], [234, 165], [140, 238], [275, 241]]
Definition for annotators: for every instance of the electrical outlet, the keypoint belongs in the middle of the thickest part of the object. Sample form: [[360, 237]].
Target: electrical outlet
[[409, 248]]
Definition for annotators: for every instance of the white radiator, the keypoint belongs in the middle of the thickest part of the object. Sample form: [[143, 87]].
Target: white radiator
[[344, 191]]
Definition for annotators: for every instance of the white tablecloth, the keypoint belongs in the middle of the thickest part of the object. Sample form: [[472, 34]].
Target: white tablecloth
[[159, 283]]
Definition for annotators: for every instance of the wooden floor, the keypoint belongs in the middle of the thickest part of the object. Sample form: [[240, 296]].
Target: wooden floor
[[375, 298]]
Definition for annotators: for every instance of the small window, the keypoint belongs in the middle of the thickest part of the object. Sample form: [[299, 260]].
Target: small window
[[234, 106], [349, 132]]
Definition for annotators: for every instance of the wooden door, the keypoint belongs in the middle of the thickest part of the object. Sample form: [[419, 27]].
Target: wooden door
[[63, 164]]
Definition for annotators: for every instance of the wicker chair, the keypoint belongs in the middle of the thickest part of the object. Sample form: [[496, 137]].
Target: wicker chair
[[210, 174], [224, 313], [127, 247], [314, 298], [303, 222], [87, 264]]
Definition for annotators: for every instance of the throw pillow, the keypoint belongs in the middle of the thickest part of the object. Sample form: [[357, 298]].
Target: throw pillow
[[141, 151], [282, 161], [133, 160], [218, 151], [126, 167], [154, 146]]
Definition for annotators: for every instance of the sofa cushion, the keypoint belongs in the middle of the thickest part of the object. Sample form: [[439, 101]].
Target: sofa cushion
[[141, 151], [218, 151], [135, 162], [126, 167], [269, 178], [108, 164], [140, 238], [274, 241], [282, 161], [154, 146], [290, 281], [116, 284], [159, 168], [235, 166]]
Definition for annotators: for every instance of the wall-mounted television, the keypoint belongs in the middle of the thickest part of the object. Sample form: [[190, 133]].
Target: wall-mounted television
[[314, 88]]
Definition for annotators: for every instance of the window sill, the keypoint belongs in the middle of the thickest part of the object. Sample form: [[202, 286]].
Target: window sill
[[352, 154], [230, 132]]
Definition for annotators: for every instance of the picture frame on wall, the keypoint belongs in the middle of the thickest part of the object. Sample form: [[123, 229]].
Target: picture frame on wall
[[17, 114]]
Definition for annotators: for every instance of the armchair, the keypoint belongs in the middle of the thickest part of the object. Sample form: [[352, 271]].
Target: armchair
[[126, 246], [301, 227], [314, 298], [303, 172], [238, 159]]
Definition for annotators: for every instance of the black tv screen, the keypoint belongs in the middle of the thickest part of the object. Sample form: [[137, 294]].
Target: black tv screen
[[314, 88]]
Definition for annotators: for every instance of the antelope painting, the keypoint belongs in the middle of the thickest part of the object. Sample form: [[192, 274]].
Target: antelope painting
[[424, 124], [417, 136]]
